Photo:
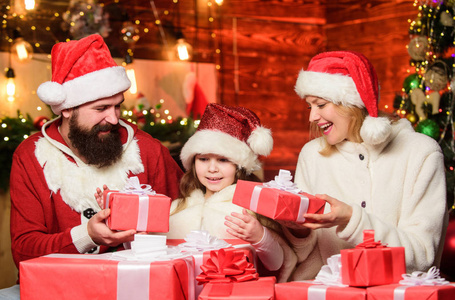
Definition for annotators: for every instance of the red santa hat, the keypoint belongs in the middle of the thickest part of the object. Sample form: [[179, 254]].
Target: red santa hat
[[233, 132], [82, 71], [346, 78]]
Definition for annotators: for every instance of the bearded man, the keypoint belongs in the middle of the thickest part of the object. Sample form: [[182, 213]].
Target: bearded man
[[55, 172]]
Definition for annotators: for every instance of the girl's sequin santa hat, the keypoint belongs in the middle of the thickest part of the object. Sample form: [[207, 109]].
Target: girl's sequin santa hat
[[82, 71], [233, 132], [346, 78]]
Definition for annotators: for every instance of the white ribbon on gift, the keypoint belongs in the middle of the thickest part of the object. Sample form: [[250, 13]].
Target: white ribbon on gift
[[418, 278], [282, 182], [330, 274], [201, 240], [431, 277], [133, 186]]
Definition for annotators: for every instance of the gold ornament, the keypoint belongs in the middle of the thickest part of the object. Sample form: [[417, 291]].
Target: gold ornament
[[417, 48], [411, 118]]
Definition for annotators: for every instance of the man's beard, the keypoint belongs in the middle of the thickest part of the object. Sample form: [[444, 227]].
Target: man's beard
[[99, 151]]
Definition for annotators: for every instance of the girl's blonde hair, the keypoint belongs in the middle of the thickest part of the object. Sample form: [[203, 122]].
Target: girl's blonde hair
[[190, 182], [356, 117]]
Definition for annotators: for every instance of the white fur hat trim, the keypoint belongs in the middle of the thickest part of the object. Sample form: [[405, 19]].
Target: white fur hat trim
[[336, 88], [83, 89], [220, 143]]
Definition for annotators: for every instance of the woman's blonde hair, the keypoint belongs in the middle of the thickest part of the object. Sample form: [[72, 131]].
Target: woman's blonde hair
[[356, 117], [190, 182]]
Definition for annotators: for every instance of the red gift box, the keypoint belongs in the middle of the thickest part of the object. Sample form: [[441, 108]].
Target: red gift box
[[372, 263], [406, 292], [89, 276], [143, 212], [201, 258], [261, 289], [306, 290], [275, 203]]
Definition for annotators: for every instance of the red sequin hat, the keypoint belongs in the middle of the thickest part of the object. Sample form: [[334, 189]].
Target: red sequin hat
[[82, 71], [346, 78], [233, 132]]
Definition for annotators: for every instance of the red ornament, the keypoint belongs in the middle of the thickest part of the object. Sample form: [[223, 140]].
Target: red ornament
[[448, 254], [40, 121]]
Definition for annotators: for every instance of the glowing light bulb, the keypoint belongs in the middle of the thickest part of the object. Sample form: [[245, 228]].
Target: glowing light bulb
[[183, 49], [29, 4], [10, 85]]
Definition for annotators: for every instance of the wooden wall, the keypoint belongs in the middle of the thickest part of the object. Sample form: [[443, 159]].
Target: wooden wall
[[263, 45]]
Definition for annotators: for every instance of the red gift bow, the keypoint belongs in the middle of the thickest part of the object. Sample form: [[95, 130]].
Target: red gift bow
[[368, 241], [227, 265]]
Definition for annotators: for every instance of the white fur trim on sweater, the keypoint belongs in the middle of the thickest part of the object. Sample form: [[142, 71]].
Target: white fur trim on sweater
[[336, 88], [220, 143], [77, 184], [83, 89]]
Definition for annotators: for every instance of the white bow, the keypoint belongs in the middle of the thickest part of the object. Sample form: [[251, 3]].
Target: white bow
[[283, 182], [133, 186], [421, 278], [201, 240], [330, 274]]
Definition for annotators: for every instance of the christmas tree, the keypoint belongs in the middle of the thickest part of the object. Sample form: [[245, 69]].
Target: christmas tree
[[427, 99]]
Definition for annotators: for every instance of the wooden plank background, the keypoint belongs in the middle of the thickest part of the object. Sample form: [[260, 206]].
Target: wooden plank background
[[262, 47]]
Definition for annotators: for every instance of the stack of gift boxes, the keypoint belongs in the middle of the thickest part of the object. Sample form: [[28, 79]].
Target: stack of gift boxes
[[220, 269]]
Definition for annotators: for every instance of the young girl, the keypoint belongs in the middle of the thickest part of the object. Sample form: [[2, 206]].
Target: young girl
[[224, 149], [373, 172]]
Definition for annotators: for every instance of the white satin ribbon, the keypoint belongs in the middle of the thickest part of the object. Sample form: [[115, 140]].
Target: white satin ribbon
[[317, 292], [330, 274], [201, 240], [133, 280], [431, 278], [143, 213], [284, 182]]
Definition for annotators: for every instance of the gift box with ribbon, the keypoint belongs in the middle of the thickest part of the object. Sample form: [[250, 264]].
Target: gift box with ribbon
[[204, 247], [416, 286], [99, 276], [327, 285], [260, 289], [138, 207], [279, 199], [372, 263]]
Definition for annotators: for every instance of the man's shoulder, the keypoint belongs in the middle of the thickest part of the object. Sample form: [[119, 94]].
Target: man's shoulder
[[29, 144]]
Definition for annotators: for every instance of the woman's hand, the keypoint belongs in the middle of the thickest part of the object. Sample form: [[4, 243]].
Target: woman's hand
[[244, 226], [339, 215]]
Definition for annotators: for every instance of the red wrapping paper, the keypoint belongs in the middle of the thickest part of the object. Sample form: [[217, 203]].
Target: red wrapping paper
[[78, 278], [261, 289], [300, 290], [402, 292], [126, 211], [275, 203], [372, 263]]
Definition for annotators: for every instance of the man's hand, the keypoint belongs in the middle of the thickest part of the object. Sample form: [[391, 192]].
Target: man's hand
[[102, 235]]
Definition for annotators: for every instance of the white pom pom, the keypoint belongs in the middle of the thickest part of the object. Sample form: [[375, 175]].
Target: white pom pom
[[51, 93], [375, 130], [261, 141]]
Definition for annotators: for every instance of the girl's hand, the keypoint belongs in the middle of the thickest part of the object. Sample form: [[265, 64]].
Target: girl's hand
[[99, 196], [339, 215], [244, 226]]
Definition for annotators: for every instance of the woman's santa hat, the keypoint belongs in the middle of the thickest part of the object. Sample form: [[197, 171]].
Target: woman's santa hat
[[346, 78], [82, 71], [233, 132]]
